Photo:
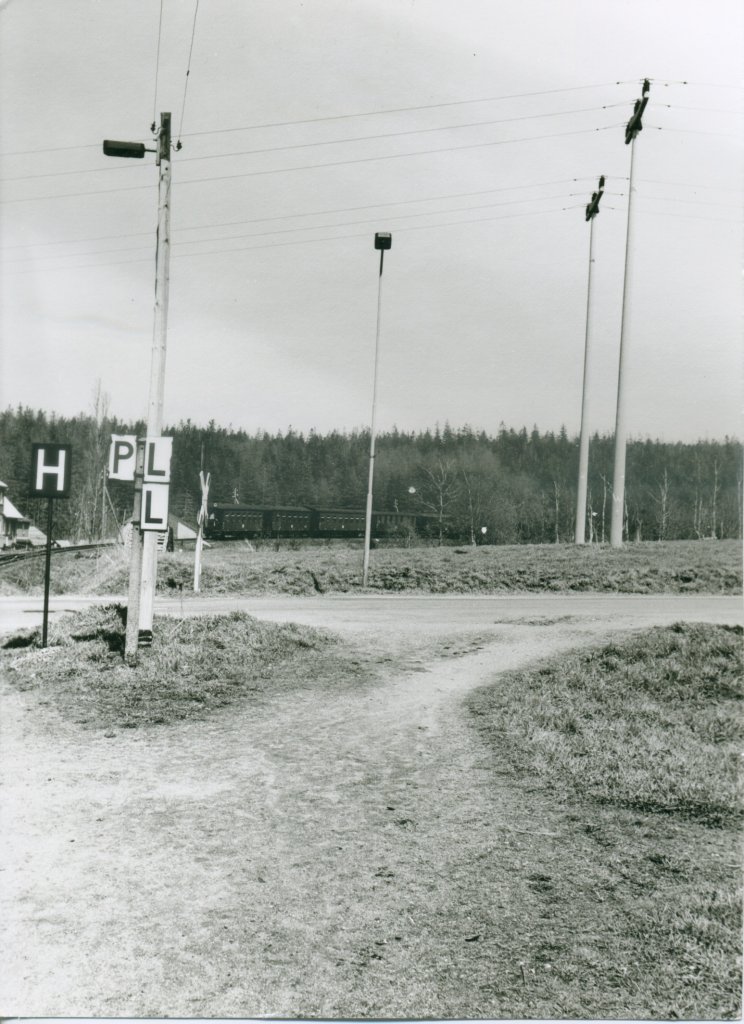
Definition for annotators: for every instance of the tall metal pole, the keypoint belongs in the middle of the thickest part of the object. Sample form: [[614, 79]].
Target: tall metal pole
[[618, 477], [618, 474], [157, 362], [382, 242], [580, 536]]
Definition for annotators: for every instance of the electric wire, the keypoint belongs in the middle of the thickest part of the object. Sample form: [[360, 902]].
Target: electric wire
[[370, 113], [402, 110], [302, 241], [188, 69], [691, 131], [289, 231], [310, 167], [310, 213], [157, 66], [310, 145]]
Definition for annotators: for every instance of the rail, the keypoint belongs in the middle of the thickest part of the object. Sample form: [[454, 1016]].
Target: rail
[[14, 555]]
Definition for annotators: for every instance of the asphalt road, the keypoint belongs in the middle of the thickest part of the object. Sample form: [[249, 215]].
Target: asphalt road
[[407, 611]]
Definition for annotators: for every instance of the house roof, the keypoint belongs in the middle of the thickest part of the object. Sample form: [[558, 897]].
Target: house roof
[[11, 512]]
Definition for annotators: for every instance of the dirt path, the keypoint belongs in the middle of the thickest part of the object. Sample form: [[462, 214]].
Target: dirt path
[[293, 860]]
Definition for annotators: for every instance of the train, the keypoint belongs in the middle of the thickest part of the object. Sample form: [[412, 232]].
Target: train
[[228, 521]]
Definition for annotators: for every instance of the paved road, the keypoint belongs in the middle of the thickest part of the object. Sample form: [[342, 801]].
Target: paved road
[[425, 612]]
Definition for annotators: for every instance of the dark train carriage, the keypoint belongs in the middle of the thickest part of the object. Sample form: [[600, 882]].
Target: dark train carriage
[[229, 520], [337, 522], [291, 521]]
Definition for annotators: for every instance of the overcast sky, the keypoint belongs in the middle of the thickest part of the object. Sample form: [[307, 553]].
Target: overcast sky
[[473, 130]]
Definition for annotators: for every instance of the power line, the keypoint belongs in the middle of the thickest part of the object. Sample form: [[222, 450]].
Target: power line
[[328, 142], [188, 68], [310, 213], [157, 66], [302, 241], [402, 110], [310, 167], [692, 131], [337, 117], [391, 135], [292, 230]]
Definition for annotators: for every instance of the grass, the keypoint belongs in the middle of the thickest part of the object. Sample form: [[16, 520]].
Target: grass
[[198, 665], [233, 568], [566, 845], [633, 749]]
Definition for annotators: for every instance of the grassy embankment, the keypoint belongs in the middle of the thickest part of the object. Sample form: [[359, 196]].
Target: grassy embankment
[[635, 747], [233, 568], [198, 665]]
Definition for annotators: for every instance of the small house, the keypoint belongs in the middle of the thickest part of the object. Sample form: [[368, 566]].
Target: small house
[[14, 527]]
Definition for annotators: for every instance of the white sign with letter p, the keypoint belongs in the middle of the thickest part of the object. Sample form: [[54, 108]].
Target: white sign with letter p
[[122, 457]]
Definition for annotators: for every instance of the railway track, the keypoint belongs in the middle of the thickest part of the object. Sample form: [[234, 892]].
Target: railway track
[[11, 557]]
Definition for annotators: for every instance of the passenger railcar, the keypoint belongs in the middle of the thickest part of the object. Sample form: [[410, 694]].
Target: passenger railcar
[[227, 521]]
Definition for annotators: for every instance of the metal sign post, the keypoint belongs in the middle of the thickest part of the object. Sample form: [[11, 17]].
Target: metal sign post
[[51, 474]]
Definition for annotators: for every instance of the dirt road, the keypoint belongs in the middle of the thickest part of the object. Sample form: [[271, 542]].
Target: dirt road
[[364, 612], [179, 870]]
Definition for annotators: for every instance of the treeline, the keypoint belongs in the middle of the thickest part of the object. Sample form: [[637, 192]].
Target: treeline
[[514, 487]]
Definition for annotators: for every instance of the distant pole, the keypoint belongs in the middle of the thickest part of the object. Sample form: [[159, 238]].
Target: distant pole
[[157, 362], [618, 479], [591, 212], [383, 241]]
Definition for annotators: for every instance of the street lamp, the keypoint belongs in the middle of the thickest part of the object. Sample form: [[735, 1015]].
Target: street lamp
[[143, 562], [383, 242]]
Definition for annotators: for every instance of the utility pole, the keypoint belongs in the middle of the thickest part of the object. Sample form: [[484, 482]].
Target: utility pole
[[632, 129], [383, 241], [157, 361], [143, 560], [591, 212]]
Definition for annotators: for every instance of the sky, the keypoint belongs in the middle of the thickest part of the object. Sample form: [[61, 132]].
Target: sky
[[474, 131]]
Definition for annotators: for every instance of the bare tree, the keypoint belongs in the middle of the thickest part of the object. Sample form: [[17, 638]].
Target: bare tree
[[660, 495], [440, 490]]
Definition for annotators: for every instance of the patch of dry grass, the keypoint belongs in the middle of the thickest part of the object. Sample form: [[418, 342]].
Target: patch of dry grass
[[198, 665], [636, 745], [676, 567]]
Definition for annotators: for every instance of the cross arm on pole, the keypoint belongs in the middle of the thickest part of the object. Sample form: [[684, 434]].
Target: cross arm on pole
[[592, 208], [635, 125]]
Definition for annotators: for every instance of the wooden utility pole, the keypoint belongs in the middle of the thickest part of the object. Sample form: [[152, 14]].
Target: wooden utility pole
[[591, 212], [157, 362]]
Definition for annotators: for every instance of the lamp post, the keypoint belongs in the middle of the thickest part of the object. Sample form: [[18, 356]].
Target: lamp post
[[143, 560], [383, 242]]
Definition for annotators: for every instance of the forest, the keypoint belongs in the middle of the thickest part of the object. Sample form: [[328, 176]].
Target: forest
[[513, 487]]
